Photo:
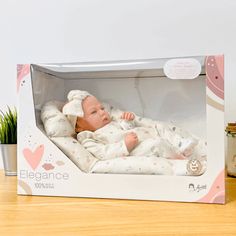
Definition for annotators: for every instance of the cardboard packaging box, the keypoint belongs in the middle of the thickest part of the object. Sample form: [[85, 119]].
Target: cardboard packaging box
[[185, 94]]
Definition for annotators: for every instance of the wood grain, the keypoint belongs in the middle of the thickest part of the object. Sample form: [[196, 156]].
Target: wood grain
[[32, 215]]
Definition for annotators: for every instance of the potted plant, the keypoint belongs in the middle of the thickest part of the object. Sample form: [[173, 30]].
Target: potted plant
[[8, 140]]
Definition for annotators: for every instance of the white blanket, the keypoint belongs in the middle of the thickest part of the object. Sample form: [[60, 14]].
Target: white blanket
[[147, 166]]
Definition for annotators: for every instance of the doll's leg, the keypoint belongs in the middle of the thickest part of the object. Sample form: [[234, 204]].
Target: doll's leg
[[146, 148], [165, 149], [157, 147], [177, 137]]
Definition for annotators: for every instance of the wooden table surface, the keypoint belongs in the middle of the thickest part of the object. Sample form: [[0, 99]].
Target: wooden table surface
[[33, 215]]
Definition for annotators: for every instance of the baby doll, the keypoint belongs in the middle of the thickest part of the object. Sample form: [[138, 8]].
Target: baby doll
[[107, 136]]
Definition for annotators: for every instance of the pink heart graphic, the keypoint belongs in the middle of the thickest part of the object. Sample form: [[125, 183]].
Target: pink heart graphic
[[34, 158]]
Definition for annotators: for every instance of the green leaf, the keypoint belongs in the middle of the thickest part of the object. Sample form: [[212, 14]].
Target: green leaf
[[8, 126]]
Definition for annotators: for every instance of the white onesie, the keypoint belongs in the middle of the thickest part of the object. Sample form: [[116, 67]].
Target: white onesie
[[154, 140]]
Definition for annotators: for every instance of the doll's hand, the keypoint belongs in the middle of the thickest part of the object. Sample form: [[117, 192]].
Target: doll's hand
[[131, 141], [127, 116]]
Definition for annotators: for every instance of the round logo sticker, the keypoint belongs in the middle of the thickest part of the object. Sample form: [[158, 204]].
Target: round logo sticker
[[194, 167]]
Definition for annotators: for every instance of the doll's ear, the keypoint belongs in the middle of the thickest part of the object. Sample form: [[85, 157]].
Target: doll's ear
[[82, 125], [78, 127]]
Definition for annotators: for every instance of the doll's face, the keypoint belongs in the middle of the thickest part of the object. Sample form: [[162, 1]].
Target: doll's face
[[95, 115]]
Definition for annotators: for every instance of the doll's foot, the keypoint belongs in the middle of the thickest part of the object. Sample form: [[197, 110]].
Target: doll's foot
[[187, 147], [179, 157], [176, 156]]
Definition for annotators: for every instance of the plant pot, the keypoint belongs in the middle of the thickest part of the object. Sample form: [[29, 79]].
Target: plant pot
[[9, 156]]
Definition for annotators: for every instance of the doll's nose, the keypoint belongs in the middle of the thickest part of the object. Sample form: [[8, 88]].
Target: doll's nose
[[102, 112]]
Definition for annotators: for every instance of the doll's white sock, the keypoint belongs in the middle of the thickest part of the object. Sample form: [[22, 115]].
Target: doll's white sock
[[187, 146]]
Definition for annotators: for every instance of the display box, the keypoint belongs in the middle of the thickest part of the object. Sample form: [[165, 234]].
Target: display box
[[181, 99]]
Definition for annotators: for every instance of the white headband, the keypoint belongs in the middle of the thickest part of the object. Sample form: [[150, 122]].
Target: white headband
[[73, 108]]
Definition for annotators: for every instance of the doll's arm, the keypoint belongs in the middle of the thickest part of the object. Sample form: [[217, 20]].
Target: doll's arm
[[105, 151]]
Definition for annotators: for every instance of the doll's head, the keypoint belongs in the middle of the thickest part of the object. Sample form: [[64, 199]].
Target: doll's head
[[95, 115], [85, 112]]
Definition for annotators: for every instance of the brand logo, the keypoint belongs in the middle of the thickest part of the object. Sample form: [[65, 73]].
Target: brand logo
[[39, 176], [196, 188], [194, 167], [48, 175]]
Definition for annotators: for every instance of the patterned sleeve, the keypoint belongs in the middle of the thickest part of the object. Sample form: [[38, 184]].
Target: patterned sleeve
[[105, 151]]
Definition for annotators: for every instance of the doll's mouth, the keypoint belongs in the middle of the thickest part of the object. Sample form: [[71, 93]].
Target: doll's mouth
[[105, 119]]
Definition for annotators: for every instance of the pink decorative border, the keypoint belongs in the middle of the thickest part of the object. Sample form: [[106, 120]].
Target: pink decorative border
[[215, 74], [22, 71], [215, 82], [217, 192]]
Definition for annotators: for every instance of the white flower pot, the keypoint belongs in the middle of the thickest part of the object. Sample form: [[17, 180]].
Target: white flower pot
[[9, 156]]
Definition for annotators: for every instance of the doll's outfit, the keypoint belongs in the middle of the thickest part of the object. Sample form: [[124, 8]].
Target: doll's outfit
[[156, 140]]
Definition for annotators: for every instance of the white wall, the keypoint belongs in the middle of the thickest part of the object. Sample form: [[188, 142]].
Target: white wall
[[85, 30]]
